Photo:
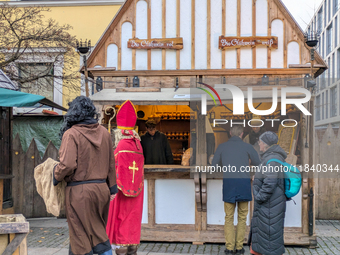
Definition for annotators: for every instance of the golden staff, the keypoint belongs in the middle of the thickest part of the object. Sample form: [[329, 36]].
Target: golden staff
[[114, 114]]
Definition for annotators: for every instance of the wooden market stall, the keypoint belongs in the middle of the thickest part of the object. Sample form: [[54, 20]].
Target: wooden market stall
[[157, 53]]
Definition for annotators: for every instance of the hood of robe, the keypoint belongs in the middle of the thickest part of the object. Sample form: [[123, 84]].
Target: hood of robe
[[91, 133]]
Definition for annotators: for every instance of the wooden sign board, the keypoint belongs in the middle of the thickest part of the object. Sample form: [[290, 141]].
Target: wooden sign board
[[251, 41], [162, 43]]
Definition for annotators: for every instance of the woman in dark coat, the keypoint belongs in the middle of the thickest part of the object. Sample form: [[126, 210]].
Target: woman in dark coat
[[267, 225]]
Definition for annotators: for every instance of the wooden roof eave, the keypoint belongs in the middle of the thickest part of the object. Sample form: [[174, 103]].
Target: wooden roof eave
[[170, 96], [104, 72]]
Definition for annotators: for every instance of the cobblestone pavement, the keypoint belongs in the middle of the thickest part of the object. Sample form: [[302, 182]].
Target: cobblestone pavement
[[45, 234]]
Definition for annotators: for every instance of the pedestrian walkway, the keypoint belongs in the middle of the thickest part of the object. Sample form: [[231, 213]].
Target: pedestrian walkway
[[50, 236]]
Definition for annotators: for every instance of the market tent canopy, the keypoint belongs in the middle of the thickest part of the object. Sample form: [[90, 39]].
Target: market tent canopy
[[11, 98], [183, 96]]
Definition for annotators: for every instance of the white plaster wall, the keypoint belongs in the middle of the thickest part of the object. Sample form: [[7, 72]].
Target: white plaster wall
[[215, 207], [246, 54], [185, 31], [246, 58], [261, 18], [230, 59], [112, 56], [261, 30], [216, 32], [171, 20], [293, 53], [201, 34], [126, 60], [294, 212], [246, 17], [231, 30], [145, 218], [142, 33], [277, 54], [215, 204], [261, 57], [175, 201], [156, 32], [231, 18]]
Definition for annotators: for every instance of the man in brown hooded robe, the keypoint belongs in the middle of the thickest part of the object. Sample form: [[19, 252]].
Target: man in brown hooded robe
[[87, 165]]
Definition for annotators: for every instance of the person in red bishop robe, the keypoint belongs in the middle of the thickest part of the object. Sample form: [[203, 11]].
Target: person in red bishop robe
[[125, 213]]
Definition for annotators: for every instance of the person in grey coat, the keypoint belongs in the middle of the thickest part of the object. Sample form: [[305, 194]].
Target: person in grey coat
[[267, 225]]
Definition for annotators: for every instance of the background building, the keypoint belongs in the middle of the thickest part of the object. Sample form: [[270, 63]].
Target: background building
[[327, 115], [326, 22], [88, 18]]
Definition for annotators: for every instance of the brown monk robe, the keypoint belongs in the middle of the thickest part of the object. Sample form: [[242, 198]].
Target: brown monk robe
[[87, 165]]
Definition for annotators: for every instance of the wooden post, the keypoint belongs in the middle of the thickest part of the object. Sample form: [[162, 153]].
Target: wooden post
[[269, 54], [178, 32], [18, 165], [238, 51], [149, 34], [1, 194], [208, 34], [86, 77], [311, 157], [193, 15], [151, 203], [304, 188], [254, 32], [201, 160]]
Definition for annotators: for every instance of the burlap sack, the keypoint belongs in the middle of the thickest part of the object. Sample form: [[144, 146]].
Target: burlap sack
[[54, 196], [186, 157]]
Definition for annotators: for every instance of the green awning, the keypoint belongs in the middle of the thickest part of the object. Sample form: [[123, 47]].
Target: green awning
[[12, 98]]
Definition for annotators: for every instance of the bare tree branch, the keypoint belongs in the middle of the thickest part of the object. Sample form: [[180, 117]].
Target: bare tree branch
[[28, 37]]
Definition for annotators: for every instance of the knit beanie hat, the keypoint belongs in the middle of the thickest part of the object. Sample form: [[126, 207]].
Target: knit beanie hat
[[269, 138]]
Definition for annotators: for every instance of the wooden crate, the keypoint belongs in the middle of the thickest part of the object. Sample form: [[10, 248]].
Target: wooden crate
[[13, 232]]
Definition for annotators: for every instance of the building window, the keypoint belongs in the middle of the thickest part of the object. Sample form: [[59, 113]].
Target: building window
[[314, 23], [320, 20], [323, 81], [322, 45], [323, 105], [317, 108], [334, 102], [336, 32], [326, 108], [329, 72], [335, 6], [329, 10], [325, 15], [329, 39], [338, 64], [42, 86], [333, 68]]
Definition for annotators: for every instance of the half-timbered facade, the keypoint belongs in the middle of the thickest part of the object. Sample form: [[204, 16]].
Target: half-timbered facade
[[164, 47]]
